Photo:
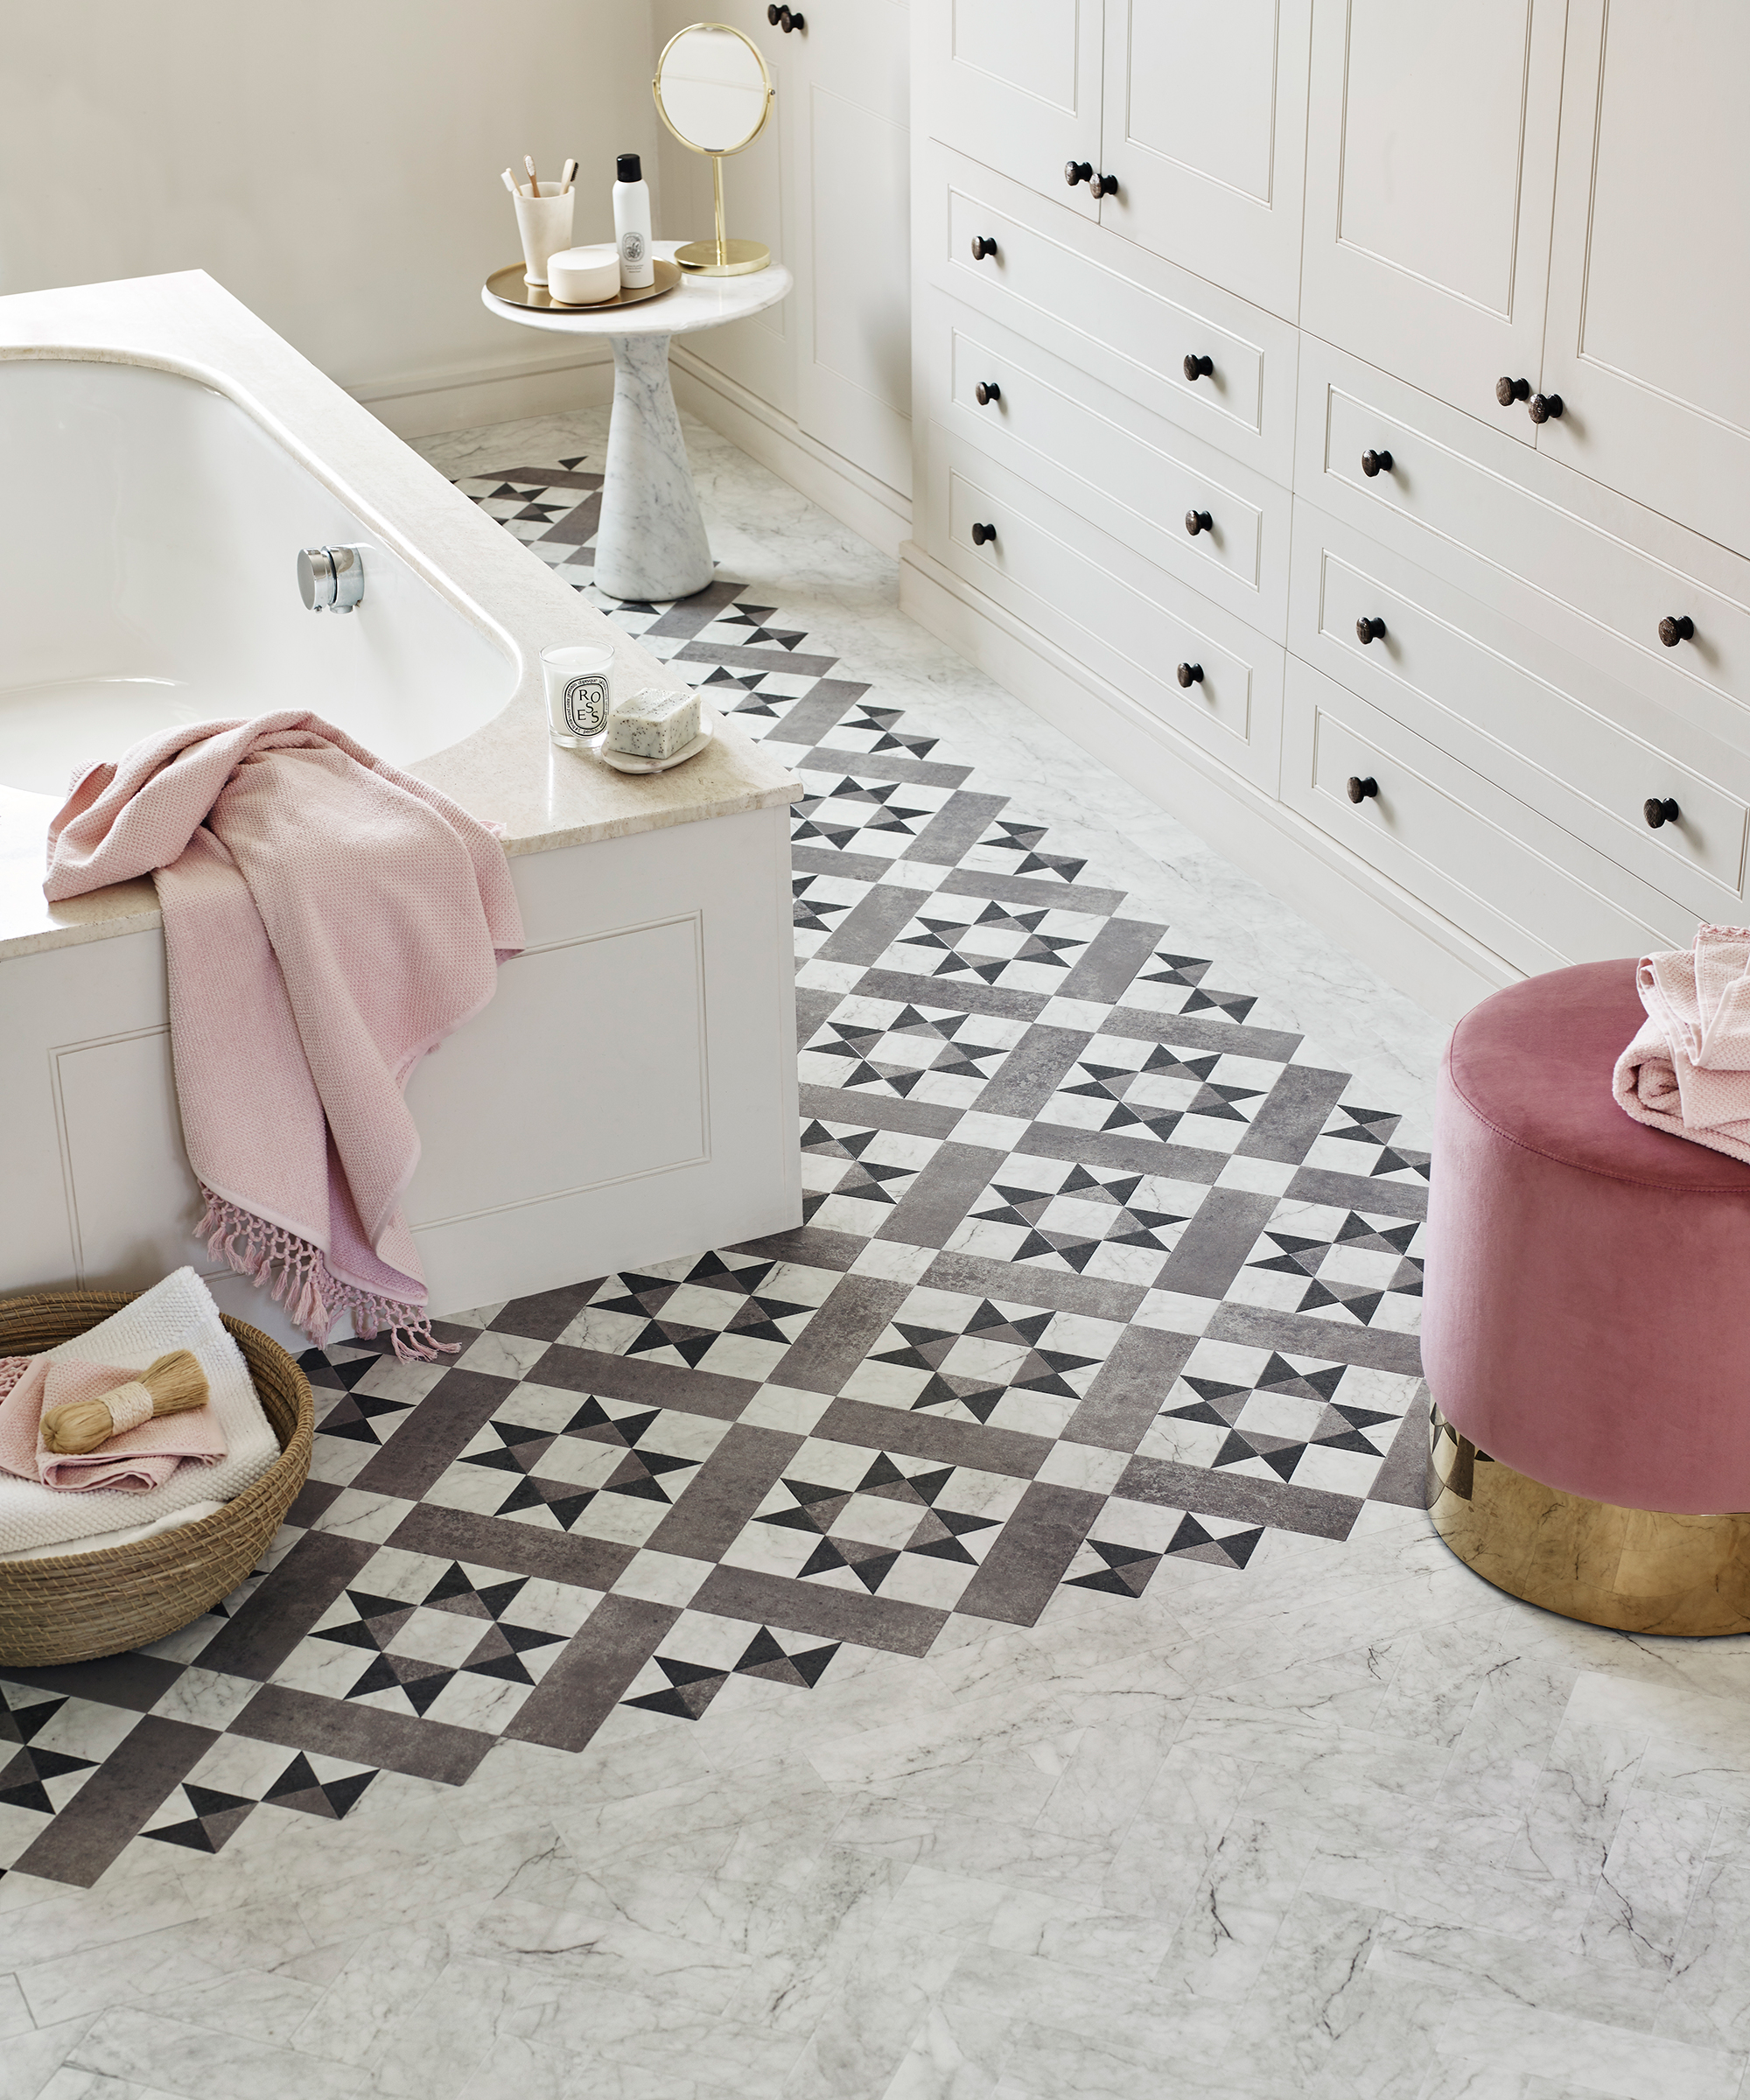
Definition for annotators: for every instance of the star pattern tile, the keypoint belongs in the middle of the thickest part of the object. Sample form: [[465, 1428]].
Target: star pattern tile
[[664, 1496]]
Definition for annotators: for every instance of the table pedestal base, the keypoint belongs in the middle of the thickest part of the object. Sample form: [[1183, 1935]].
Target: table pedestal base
[[652, 541]]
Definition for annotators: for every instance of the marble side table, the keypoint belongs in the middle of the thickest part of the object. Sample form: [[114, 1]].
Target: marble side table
[[652, 542]]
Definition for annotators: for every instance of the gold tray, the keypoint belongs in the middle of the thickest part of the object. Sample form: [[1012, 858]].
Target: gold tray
[[508, 284]]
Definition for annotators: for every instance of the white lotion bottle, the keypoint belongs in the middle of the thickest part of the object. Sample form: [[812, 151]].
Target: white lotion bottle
[[632, 224]]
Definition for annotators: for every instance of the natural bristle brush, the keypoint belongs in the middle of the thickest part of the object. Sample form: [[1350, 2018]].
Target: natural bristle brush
[[168, 1386]]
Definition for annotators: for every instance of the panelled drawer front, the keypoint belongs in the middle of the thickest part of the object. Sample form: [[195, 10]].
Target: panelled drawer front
[[1113, 312], [1533, 539], [1522, 711], [1120, 467], [1458, 842], [1129, 621]]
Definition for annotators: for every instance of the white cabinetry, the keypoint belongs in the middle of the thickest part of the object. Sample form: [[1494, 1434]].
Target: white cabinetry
[[1015, 84], [1517, 634], [1649, 279], [1205, 130], [818, 389], [1430, 170], [851, 144]]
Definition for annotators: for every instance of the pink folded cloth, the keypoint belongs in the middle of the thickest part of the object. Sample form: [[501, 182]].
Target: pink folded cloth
[[134, 1461], [1688, 1069], [327, 920]]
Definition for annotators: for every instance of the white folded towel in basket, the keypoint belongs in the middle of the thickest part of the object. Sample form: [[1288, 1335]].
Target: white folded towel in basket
[[179, 1313]]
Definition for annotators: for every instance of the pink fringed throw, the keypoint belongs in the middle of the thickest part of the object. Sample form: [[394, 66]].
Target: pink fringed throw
[[327, 919]]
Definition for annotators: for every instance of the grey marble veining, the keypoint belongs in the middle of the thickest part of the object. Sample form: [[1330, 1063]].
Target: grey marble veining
[[653, 543]]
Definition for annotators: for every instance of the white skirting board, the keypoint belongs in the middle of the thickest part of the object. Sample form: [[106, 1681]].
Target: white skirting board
[[880, 514], [629, 1096], [463, 397], [1424, 956]]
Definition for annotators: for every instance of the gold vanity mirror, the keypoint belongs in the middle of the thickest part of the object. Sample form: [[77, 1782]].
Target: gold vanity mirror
[[715, 94]]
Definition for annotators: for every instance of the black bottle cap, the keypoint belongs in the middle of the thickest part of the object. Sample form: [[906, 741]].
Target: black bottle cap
[[628, 168]]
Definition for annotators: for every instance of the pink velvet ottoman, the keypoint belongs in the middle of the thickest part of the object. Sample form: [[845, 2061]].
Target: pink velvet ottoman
[[1587, 1331]]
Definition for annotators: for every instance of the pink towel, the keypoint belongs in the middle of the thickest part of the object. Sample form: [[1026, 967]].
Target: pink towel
[[1688, 1069], [135, 1461], [327, 920]]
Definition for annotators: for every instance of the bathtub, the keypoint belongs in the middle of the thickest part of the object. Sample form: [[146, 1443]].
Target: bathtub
[[151, 579], [630, 1093]]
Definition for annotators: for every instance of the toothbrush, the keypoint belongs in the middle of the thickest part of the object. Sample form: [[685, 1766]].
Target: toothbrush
[[505, 179], [567, 176], [534, 179]]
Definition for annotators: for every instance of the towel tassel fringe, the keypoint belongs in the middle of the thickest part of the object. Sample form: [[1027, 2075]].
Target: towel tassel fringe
[[313, 1295]]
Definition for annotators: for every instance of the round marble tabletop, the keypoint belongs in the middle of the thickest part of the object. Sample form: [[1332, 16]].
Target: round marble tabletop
[[694, 302]]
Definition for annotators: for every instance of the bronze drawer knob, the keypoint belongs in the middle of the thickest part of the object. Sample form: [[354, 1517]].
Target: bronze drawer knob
[[1360, 789], [1199, 368], [1658, 812], [1104, 185], [1190, 674], [1545, 408], [982, 533], [983, 245], [1369, 630], [1507, 391], [986, 392], [1199, 521], [1675, 627], [780, 18], [1078, 170], [1376, 463]]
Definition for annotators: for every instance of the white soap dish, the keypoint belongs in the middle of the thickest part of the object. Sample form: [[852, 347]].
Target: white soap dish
[[624, 762]]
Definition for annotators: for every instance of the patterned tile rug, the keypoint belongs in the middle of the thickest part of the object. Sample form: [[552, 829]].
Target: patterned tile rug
[[1097, 1271]]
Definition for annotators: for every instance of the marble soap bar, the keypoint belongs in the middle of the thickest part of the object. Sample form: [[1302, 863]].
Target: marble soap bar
[[654, 724]]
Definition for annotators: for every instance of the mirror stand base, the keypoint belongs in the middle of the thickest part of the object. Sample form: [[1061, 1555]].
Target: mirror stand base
[[722, 258]]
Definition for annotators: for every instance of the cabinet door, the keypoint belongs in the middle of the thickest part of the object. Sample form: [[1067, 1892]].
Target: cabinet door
[[758, 353], [1016, 84], [850, 154], [1205, 128], [1431, 169], [1649, 295]]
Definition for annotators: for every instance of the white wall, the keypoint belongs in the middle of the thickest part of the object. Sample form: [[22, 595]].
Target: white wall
[[334, 164]]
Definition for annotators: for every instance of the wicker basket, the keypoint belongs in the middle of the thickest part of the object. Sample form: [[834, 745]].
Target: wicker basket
[[76, 1606]]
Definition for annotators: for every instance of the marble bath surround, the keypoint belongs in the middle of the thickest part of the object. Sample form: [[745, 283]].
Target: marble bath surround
[[986, 1644]]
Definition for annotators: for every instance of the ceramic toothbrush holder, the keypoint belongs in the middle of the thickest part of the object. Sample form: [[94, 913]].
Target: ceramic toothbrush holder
[[544, 222]]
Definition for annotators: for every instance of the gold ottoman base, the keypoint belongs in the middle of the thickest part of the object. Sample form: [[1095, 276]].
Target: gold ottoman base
[[1640, 1570]]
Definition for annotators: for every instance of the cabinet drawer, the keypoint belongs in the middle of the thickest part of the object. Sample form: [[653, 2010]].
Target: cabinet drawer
[[1530, 538], [1119, 465], [1132, 623], [1524, 713], [1457, 842], [1111, 311]]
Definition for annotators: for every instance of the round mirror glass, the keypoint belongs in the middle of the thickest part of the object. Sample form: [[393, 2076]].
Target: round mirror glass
[[712, 88]]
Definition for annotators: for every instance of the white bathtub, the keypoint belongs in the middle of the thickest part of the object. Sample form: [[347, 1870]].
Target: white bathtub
[[630, 1093], [149, 535]]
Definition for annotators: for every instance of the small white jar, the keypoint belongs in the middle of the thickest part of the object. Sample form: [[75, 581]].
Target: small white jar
[[583, 276]]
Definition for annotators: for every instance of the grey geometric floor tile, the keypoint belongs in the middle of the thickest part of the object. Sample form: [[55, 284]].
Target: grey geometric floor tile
[[1095, 1274]]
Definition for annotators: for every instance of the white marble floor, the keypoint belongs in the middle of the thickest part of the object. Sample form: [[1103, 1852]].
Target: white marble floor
[[1346, 1822]]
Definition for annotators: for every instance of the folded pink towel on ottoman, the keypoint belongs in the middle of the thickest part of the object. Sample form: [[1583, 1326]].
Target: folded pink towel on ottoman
[[134, 1461], [1688, 1069], [327, 919]]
